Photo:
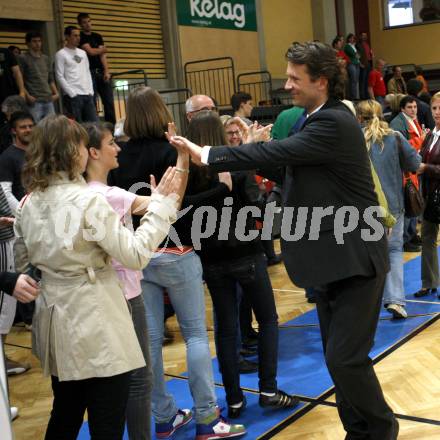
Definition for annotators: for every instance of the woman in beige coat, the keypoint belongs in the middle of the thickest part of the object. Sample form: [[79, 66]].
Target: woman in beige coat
[[82, 330]]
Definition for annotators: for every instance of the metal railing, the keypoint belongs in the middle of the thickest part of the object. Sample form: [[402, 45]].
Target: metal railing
[[121, 91], [175, 100], [257, 84], [214, 77]]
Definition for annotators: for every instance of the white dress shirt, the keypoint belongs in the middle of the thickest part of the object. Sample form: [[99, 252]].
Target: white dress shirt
[[435, 136]]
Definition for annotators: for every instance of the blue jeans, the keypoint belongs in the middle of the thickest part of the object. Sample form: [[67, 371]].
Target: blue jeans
[[41, 109], [353, 76], [81, 107], [181, 276], [141, 380], [393, 292], [409, 228]]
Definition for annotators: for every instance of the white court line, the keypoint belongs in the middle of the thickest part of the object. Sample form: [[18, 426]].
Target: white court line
[[289, 290], [421, 302]]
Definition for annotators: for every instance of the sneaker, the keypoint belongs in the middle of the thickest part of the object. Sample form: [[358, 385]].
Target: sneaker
[[397, 310], [14, 412], [14, 368], [278, 401], [218, 428], [167, 429]]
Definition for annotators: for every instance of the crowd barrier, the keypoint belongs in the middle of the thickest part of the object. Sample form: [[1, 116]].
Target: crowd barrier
[[214, 77]]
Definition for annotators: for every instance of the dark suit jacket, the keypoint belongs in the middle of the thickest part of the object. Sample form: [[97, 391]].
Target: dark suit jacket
[[327, 165], [431, 175], [424, 114]]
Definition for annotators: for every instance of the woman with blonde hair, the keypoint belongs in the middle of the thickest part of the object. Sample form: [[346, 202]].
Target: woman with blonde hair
[[391, 155], [82, 329], [430, 172]]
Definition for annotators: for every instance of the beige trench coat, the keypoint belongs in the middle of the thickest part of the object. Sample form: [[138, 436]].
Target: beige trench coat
[[82, 327]]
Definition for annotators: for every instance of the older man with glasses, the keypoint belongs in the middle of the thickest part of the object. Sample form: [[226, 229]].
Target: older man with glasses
[[197, 103]]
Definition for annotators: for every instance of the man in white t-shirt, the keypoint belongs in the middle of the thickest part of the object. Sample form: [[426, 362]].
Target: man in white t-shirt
[[73, 75]]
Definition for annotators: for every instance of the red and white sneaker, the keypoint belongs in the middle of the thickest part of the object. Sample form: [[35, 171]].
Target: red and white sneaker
[[167, 429]]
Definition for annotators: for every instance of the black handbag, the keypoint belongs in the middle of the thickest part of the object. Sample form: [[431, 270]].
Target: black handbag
[[413, 199], [432, 209]]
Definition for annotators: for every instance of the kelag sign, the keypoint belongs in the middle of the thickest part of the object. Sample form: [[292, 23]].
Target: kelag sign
[[233, 14]]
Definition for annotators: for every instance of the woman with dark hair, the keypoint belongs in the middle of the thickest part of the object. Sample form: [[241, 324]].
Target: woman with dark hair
[[353, 67], [230, 257], [176, 268]]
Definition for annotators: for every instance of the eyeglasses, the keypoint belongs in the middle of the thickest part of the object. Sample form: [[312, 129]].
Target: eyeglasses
[[207, 108], [234, 133]]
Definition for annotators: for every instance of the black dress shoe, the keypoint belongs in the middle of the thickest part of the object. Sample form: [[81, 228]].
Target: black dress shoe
[[311, 299], [246, 367], [425, 292], [278, 401], [234, 413]]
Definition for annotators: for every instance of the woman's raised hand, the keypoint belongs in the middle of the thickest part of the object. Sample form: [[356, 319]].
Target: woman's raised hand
[[258, 133], [173, 184], [182, 143]]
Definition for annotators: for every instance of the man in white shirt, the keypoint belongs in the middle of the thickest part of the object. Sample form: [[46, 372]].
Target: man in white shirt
[[73, 75]]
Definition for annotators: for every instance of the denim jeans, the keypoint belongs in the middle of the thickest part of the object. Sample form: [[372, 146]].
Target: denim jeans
[[141, 380], [393, 291], [353, 76], [81, 107], [41, 109], [251, 273], [181, 276], [409, 228]]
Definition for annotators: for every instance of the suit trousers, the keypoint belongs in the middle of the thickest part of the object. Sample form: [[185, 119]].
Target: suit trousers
[[348, 313], [430, 272]]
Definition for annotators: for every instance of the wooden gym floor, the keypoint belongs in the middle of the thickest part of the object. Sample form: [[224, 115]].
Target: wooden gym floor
[[410, 377]]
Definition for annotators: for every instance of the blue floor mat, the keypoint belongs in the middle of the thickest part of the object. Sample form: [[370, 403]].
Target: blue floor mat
[[256, 419], [413, 308], [301, 366]]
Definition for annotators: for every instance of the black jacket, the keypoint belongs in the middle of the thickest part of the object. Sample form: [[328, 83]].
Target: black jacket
[[327, 166], [8, 281], [223, 244]]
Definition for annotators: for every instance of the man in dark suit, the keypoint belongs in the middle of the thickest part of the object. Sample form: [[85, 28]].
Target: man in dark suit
[[337, 247]]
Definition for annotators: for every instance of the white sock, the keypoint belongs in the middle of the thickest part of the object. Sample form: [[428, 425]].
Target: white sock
[[237, 405], [268, 394]]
